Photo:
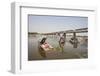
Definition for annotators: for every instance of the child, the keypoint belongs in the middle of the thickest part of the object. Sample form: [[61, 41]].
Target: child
[[62, 41]]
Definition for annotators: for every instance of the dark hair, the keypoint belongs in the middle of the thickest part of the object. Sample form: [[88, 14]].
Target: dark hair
[[64, 34], [43, 41]]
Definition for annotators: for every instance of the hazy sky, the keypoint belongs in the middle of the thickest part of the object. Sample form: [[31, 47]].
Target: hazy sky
[[46, 24]]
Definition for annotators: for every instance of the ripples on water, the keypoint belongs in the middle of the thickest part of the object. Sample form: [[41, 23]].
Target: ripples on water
[[69, 52]]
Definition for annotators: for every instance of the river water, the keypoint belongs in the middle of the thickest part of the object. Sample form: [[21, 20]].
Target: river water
[[69, 52]]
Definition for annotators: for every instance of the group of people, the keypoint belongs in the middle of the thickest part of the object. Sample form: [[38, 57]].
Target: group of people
[[46, 46]]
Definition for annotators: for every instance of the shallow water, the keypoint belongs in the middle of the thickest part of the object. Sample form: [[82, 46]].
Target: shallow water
[[69, 52]]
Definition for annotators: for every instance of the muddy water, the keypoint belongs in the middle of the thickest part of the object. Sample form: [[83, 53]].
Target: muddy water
[[69, 52]]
